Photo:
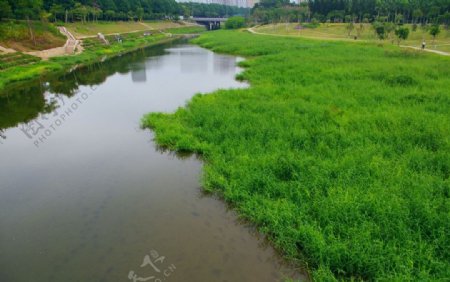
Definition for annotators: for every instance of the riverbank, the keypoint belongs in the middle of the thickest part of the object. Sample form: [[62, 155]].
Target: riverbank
[[93, 51], [363, 32], [338, 152]]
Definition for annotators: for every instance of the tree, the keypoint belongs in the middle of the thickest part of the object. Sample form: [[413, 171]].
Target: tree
[[140, 13], [402, 33], [5, 9], [80, 12], [235, 22], [359, 30], [28, 9], [417, 14], [434, 31], [350, 27], [110, 15], [57, 11], [389, 28], [380, 30]]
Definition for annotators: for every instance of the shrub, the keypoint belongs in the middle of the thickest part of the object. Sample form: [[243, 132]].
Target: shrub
[[402, 33], [235, 22]]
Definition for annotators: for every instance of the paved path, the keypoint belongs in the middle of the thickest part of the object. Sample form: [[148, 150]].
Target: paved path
[[251, 30]]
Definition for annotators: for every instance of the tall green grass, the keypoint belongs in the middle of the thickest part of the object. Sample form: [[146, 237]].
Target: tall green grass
[[339, 152]]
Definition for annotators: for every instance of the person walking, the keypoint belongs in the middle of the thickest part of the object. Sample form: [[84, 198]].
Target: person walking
[[424, 44]]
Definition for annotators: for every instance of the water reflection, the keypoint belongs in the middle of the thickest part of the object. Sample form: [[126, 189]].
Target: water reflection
[[222, 65], [21, 103], [139, 73], [97, 196]]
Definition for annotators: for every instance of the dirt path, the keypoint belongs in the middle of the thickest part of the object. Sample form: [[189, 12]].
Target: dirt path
[[251, 30], [71, 46], [7, 50], [427, 50], [160, 30]]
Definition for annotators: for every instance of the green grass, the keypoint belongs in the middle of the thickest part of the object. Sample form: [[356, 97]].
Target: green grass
[[92, 28], [16, 59], [80, 29], [186, 30], [338, 31], [15, 35], [338, 152]]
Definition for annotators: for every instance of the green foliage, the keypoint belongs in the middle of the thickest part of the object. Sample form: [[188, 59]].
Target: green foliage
[[27, 9], [17, 33], [186, 30], [350, 27], [235, 23], [434, 30], [402, 33], [117, 10], [339, 152], [380, 30], [210, 10], [397, 11], [5, 9], [16, 59]]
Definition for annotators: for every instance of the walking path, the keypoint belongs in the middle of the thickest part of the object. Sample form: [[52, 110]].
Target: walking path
[[71, 46], [6, 50], [251, 30], [427, 50]]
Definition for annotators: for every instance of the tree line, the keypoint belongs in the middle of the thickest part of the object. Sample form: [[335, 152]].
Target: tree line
[[405, 11], [111, 10]]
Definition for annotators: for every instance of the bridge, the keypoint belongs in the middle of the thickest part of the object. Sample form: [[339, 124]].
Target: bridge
[[210, 23]]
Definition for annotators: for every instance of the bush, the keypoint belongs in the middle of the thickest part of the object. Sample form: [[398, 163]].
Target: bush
[[402, 33], [235, 23]]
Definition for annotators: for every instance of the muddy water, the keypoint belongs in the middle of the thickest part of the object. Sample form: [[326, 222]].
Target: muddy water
[[85, 195]]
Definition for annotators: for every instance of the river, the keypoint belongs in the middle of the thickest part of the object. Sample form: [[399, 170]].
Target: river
[[85, 194]]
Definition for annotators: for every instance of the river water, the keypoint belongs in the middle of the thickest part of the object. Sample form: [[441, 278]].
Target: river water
[[85, 195]]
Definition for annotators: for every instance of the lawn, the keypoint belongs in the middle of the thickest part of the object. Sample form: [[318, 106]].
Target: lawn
[[186, 30], [80, 29], [338, 151], [339, 32]]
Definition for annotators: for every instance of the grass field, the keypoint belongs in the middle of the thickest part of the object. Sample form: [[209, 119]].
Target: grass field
[[16, 59], [338, 152], [15, 35], [339, 32], [186, 30], [79, 29]]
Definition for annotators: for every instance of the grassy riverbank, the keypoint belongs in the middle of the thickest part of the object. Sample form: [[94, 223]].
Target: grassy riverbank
[[79, 29], [339, 152], [365, 32], [94, 51], [16, 35]]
